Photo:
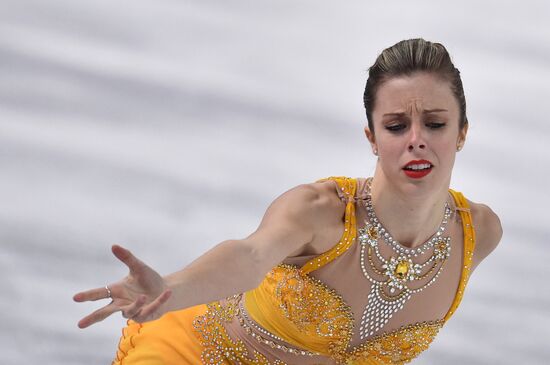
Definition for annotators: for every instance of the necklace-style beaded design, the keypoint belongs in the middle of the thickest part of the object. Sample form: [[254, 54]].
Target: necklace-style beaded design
[[390, 293]]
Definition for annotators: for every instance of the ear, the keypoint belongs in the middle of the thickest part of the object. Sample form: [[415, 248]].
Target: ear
[[462, 136], [372, 139]]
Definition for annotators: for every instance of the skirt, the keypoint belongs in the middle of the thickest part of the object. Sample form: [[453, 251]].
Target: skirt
[[170, 340]]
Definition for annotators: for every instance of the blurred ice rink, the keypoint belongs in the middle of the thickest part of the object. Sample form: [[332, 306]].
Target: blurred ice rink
[[169, 126]]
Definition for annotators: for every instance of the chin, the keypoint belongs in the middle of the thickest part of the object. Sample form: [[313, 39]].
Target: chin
[[430, 183]]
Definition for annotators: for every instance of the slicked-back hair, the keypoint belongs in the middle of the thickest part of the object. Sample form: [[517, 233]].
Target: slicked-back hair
[[409, 57]]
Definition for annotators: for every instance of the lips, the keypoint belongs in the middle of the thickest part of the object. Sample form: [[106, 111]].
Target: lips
[[417, 169]]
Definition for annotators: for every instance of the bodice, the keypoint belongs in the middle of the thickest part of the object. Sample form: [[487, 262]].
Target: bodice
[[291, 306], [307, 314]]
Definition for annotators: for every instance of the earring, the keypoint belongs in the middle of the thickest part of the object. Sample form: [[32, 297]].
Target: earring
[[458, 148], [375, 151]]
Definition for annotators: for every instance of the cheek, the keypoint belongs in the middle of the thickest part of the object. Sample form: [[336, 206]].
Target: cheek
[[446, 151], [391, 156], [391, 144], [391, 149]]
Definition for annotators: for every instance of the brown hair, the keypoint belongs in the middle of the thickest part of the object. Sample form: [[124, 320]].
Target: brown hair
[[408, 57]]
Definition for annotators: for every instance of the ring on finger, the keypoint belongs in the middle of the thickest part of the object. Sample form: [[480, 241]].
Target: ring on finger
[[108, 291]]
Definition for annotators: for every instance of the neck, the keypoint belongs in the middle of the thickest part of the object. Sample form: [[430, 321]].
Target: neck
[[412, 213]]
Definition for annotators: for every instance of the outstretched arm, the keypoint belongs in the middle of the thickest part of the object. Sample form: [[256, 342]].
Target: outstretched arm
[[231, 267]]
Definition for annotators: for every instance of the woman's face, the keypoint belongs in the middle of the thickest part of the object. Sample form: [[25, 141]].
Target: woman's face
[[416, 130]]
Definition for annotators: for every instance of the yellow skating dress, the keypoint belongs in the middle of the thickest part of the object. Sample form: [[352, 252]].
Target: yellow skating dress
[[290, 313]]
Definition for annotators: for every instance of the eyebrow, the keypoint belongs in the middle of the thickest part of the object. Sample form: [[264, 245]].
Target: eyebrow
[[427, 111]]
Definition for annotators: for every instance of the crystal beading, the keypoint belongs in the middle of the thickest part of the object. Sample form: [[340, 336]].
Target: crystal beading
[[248, 324], [398, 271]]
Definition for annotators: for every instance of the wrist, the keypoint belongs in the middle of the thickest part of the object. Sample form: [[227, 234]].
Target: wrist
[[172, 283]]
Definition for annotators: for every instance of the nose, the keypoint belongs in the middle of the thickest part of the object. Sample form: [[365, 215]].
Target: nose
[[416, 138]]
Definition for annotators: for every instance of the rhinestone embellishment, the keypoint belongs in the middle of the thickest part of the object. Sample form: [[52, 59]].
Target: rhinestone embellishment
[[391, 290]]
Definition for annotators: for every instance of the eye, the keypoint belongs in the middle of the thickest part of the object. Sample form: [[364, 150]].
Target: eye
[[435, 125], [395, 127]]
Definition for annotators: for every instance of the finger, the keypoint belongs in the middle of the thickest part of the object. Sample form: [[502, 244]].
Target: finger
[[93, 294], [127, 258], [149, 309], [131, 310], [98, 315]]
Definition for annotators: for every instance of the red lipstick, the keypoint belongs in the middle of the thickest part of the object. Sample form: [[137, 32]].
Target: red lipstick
[[417, 169]]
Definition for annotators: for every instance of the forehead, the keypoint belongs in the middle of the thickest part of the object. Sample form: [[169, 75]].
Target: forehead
[[414, 93]]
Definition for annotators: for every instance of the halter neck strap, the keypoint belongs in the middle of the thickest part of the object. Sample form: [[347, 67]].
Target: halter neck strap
[[468, 230]]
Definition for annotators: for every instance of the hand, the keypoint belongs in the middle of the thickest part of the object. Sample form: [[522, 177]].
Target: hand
[[139, 296]]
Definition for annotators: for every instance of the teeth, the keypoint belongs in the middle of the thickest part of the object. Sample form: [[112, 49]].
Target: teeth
[[419, 167]]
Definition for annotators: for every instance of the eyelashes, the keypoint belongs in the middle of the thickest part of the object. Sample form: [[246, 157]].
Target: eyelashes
[[395, 127], [435, 125], [401, 126]]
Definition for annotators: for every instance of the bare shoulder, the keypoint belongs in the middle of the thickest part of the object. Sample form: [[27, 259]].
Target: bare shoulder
[[315, 208], [315, 200], [293, 222], [326, 211], [318, 203], [328, 200], [488, 230]]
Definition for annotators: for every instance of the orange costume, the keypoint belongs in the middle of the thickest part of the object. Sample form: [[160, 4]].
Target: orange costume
[[292, 313]]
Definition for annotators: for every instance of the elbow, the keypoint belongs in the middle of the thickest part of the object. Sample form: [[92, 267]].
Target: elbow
[[260, 263], [255, 268]]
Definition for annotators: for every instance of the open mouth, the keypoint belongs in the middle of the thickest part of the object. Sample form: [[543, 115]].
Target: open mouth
[[418, 169]]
